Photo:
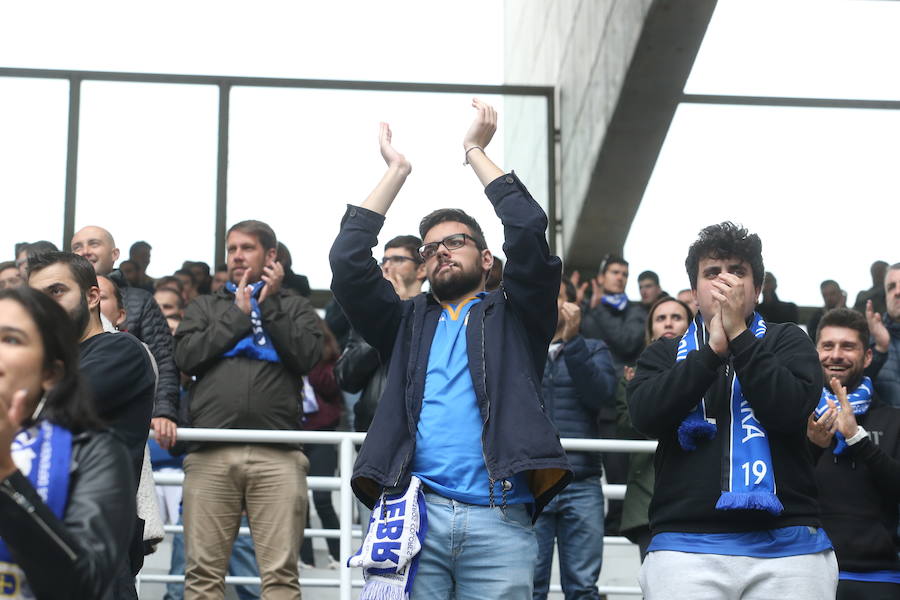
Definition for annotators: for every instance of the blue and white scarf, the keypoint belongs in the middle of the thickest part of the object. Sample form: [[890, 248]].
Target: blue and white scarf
[[389, 554], [618, 302], [860, 400], [748, 482], [257, 344], [42, 453]]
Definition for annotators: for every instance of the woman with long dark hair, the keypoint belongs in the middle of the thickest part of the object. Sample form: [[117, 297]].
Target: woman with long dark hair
[[67, 500]]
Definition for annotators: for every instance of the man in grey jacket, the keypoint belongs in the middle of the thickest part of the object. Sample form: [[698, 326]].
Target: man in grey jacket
[[247, 346]]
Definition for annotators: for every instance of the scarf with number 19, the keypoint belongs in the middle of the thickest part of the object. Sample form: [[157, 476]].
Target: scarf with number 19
[[748, 479]]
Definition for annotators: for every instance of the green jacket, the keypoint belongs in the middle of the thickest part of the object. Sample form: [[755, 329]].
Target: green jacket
[[641, 472]]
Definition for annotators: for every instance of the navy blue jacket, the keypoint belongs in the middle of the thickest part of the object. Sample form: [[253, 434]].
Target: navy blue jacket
[[507, 337], [577, 383]]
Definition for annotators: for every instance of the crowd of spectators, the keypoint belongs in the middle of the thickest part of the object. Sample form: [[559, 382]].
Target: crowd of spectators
[[240, 346]]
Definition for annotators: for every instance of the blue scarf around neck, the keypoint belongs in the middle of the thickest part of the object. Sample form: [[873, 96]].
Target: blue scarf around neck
[[860, 399], [257, 344], [748, 479], [618, 302], [42, 454]]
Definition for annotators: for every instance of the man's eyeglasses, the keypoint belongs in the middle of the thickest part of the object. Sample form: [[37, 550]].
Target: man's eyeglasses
[[451, 242], [397, 260]]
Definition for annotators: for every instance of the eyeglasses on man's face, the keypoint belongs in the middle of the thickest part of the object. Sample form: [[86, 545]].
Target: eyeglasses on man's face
[[396, 260], [451, 242]]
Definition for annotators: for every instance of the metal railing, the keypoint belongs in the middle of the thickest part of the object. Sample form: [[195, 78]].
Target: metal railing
[[346, 442]]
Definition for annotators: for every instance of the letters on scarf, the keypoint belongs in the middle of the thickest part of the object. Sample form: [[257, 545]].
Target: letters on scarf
[[619, 302], [389, 554], [859, 399], [42, 453], [748, 479], [257, 344]]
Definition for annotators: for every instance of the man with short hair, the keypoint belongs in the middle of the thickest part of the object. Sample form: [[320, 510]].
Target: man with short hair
[[202, 278], [833, 297], [9, 275], [461, 412], [188, 284], [771, 308], [734, 511], [878, 271], [648, 285], [857, 447], [687, 296], [144, 321], [248, 346], [29, 251], [170, 302], [886, 336], [117, 367], [220, 278]]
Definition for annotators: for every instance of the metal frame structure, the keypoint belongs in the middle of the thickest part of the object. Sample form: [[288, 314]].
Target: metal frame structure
[[224, 85], [346, 442]]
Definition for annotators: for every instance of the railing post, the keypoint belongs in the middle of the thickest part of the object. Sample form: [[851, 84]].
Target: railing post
[[346, 460]]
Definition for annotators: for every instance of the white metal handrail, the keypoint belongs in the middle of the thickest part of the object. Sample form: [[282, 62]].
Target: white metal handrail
[[346, 441]]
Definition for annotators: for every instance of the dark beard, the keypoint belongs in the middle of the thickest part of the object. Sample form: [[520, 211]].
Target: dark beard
[[81, 316], [453, 287]]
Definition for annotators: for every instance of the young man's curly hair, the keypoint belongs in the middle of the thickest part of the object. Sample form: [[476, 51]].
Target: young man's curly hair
[[723, 241]]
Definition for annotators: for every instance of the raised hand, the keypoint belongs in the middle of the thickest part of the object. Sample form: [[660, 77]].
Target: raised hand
[[273, 275], [596, 291], [392, 158], [571, 313], [877, 328], [728, 291], [482, 129], [12, 415], [718, 339], [242, 294], [580, 288], [822, 430], [845, 420]]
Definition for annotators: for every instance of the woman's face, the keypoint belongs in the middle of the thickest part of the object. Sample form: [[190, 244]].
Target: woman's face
[[670, 320], [21, 354]]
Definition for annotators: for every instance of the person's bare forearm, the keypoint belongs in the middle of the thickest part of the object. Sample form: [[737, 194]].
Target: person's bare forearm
[[386, 191], [483, 166]]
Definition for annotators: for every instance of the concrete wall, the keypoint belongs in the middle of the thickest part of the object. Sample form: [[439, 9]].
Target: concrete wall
[[583, 48]]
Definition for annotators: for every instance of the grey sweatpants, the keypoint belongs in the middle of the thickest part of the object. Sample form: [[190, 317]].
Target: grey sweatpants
[[685, 575]]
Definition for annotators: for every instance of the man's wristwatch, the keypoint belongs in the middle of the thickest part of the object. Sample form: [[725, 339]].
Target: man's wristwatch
[[858, 436]]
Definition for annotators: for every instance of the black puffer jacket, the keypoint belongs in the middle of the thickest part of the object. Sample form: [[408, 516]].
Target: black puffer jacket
[[145, 321], [359, 369], [577, 383], [75, 558]]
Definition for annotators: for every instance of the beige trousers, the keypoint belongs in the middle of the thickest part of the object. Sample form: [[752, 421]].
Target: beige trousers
[[222, 481]]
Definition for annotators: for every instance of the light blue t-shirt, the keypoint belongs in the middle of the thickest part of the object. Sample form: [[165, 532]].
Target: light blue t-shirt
[[772, 543], [449, 457], [871, 576]]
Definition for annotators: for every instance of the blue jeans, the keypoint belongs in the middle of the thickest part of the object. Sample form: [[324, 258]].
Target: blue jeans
[[242, 564], [575, 519], [475, 552]]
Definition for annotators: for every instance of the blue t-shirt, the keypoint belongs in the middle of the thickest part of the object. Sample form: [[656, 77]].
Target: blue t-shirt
[[772, 543], [449, 456]]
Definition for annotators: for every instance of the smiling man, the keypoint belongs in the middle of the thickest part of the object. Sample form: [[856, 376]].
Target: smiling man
[[857, 443], [734, 510], [461, 409]]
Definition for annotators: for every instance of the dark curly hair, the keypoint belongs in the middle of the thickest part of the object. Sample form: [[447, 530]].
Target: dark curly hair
[[722, 241]]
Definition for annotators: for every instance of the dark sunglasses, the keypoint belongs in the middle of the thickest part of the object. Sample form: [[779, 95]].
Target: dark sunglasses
[[451, 242]]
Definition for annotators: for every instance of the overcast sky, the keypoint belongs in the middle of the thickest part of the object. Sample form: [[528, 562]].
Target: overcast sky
[[820, 186]]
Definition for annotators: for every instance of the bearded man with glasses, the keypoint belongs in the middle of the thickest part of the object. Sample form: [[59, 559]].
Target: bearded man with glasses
[[460, 429]]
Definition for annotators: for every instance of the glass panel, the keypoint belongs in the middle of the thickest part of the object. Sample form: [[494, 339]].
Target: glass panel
[[820, 186], [401, 40], [298, 157], [802, 48], [34, 116], [147, 168]]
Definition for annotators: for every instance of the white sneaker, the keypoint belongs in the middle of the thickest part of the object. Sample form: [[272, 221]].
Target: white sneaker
[[333, 564], [304, 565]]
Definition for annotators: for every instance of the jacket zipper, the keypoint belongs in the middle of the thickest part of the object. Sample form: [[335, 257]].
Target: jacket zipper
[[23, 502], [412, 433], [487, 398]]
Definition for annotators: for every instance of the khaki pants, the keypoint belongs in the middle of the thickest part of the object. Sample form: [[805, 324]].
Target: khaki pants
[[220, 482]]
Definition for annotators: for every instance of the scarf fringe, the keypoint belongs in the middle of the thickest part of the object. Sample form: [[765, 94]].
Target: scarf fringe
[[376, 589], [750, 501], [692, 431]]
